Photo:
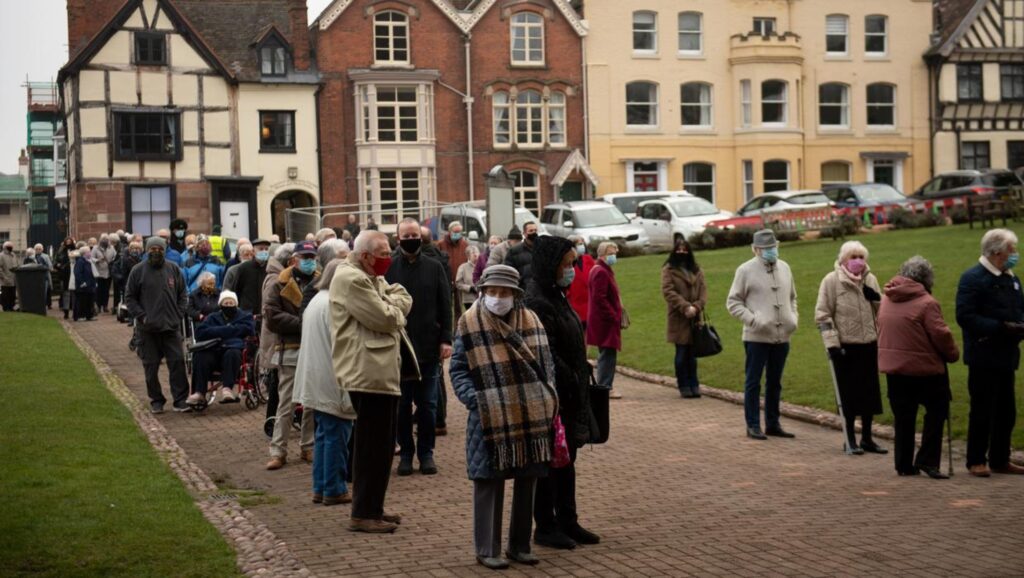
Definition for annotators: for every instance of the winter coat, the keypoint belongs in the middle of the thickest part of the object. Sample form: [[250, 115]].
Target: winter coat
[[604, 323], [481, 264], [429, 322], [456, 255], [565, 337], [478, 460], [156, 294], [913, 338], [282, 307], [368, 318], [431, 250], [465, 284], [984, 302], [101, 260], [123, 266], [682, 288], [200, 265], [764, 300], [268, 339], [201, 305], [843, 314], [316, 386], [521, 257], [85, 281], [497, 254], [249, 283], [8, 263], [63, 266], [232, 333], [579, 292]]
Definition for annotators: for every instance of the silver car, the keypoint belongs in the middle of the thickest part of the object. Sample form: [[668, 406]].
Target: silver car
[[667, 220], [594, 221]]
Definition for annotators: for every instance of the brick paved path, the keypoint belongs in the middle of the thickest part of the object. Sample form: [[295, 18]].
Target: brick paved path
[[677, 491]]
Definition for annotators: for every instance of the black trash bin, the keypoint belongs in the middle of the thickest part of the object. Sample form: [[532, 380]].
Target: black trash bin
[[31, 280]]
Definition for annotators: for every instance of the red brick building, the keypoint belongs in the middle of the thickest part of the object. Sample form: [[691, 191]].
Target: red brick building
[[399, 128]]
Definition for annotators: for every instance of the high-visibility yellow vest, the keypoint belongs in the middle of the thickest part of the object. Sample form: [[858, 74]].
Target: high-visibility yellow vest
[[217, 246]]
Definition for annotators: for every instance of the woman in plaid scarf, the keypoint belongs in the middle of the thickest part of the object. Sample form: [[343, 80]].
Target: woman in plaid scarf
[[501, 370]]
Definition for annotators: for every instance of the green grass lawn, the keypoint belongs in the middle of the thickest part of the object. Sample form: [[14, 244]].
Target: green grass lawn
[[84, 493], [951, 250]]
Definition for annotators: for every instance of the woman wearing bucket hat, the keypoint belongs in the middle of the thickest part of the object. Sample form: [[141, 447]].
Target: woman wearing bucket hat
[[763, 297], [503, 371]]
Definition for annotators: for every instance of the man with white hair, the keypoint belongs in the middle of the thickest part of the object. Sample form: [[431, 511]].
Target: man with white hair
[[323, 235], [42, 258], [990, 311], [232, 326], [8, 289], [454, 244]]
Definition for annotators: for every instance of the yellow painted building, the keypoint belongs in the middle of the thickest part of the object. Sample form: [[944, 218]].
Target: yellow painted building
[[731, 98]]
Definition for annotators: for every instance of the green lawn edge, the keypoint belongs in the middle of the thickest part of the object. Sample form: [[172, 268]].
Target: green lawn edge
[[85, 493]]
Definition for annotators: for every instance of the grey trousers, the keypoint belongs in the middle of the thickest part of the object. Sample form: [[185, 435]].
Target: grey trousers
[[285, 410], [606, 361], [488, 501]]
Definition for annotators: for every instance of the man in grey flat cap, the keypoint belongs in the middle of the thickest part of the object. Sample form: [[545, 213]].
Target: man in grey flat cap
[[763, 297]]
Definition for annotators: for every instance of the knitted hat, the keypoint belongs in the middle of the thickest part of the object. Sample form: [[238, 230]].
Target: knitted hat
[[225, 295], [156, 242], [515, 233], [500, 276]]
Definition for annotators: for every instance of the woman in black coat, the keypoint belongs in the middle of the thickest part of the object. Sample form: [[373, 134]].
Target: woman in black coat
[[85, 287], [555, 502], [63, 267]]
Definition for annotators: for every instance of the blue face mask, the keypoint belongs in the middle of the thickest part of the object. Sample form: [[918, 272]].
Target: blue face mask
[[1012, 260], [581, 249], [307, 266], [567, 276], [611, 259], [770, 255], [456, 237], [180, 233], [262, 256]]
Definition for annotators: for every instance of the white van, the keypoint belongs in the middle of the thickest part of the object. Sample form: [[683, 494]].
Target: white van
[[627, 202], [473, 216]]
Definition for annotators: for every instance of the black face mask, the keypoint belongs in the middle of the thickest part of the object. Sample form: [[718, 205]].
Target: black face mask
[[229, 312], [532, 238], [411, 246], [681, 260], [156, 259]]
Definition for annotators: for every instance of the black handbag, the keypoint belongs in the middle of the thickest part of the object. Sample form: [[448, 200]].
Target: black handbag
[[706, 341], [600, 424]]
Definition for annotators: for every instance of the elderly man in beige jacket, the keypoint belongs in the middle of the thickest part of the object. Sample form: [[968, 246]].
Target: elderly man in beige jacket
[[370, 354]]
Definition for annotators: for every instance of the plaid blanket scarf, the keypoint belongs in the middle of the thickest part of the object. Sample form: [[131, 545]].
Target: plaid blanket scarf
[[510, 364]]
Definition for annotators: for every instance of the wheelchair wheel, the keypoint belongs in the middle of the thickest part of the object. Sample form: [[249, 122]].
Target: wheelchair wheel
[[250, 400]]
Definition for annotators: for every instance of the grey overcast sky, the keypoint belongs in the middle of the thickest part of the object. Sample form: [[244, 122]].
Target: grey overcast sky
[[34, 37]]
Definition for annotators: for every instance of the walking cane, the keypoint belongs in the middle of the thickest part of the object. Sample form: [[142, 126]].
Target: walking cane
[[839, 400]]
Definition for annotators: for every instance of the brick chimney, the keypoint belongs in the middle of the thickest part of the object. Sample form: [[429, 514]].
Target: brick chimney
[[23, 166], [86, 18], [298, 16]]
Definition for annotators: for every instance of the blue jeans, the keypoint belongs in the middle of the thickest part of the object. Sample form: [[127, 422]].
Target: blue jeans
[[607, 358], [686, 368], [330, 454], [424, 394], [769, 359]]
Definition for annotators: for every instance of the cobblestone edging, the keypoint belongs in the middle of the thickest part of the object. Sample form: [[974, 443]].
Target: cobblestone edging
[[259, 551], [798, 412]]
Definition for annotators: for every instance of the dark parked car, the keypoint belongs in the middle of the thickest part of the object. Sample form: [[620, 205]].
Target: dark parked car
[[965, 183], [867, 195]]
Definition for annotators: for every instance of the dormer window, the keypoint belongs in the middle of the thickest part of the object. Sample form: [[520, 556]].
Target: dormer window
[[273, 59], [151, 48]]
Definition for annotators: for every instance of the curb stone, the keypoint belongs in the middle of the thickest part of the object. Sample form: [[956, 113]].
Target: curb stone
[[798, 412], [259, 552]]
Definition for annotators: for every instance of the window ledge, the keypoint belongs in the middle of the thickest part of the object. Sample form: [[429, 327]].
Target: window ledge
[[768, 129], [528, 66], [838, 57], [691, 56], [869, 57], [392, 66], [835, 130], [881, 130], [642, 129], [646, 55], [277, 151], [698, 130]]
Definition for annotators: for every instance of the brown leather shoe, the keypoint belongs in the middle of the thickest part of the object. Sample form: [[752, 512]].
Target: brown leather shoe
[[979, 471], [318, 498], [276, 463], [306, 456], [441, 431], [345, 498], [1009, 469], [395, 519], [371, 526]]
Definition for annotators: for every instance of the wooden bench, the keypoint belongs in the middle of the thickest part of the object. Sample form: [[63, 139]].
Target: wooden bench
[[989, 208]]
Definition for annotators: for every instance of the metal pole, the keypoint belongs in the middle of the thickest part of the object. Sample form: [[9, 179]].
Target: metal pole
[[839, 406]]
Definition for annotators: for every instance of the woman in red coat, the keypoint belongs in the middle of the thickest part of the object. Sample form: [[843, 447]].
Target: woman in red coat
[[604, 319], [579, 292]]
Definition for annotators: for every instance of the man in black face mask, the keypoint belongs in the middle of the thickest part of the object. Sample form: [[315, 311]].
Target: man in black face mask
[[521, 256], [429, 325], [156, 298], [232, 326]]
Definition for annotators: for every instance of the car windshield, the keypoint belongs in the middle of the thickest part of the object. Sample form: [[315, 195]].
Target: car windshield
[[693, 208], [878, 193], [1006, 179], [599, 217], [524, 216], [628, 204], [807, 199]]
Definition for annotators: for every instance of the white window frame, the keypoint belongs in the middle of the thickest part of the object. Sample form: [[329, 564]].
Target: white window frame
[[698, 32], [748, 181], [530, 112], [397, 107], [653, 32], [392, 27], [631, 172], [832, 22], [706, 90], [897, 171], [884, 35], [522, 191], [764, 25], [367, 109], [784, 101], [555, 123], [689, 186], [400, 201], [849, 173], [869, 105], [527, 26], [746, 104], [764, 170], [501, 103], [652, 104], [843, 105]]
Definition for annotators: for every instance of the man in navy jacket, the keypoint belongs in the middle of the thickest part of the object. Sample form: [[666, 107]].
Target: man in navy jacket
[[990, 311], [232, 326]]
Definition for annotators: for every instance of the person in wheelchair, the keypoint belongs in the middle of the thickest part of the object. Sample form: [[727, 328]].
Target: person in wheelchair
[[231, 326], [204, 300]]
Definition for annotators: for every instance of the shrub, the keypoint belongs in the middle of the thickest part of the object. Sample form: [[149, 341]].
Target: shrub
[[843, 226], [904, 219], [715, 238], [958, 215]]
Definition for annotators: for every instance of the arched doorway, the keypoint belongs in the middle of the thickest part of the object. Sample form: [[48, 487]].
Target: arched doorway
[[279, 216]]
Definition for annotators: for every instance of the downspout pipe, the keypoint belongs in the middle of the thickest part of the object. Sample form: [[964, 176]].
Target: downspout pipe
[[586, 107], [468, 99]]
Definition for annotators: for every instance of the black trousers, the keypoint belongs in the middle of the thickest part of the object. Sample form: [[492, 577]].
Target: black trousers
[[208, 361], [156, 347], [102, 292], [118, 286], [83, 305], [373, 452], [8, 296], [993, 414], [554, 503], [906, 393]]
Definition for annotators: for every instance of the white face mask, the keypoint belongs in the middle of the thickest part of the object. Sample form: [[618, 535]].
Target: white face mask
[[498, 305]]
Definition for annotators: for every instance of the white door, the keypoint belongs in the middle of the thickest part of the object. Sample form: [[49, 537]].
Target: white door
[[234, 219]]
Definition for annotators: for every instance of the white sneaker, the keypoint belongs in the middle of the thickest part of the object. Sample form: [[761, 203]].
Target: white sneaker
[[195, 399], [227, 395]]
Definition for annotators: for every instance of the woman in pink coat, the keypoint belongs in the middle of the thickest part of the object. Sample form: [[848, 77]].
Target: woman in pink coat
[[604, 316]]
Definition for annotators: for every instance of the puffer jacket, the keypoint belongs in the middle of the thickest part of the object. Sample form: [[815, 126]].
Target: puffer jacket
[[316, 386], [478, 461], [231, 333], [682, 288], [368, 330], [843, 314], [566, 338], [199, 265], [521, 257], [282, 307], [913, 338]]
